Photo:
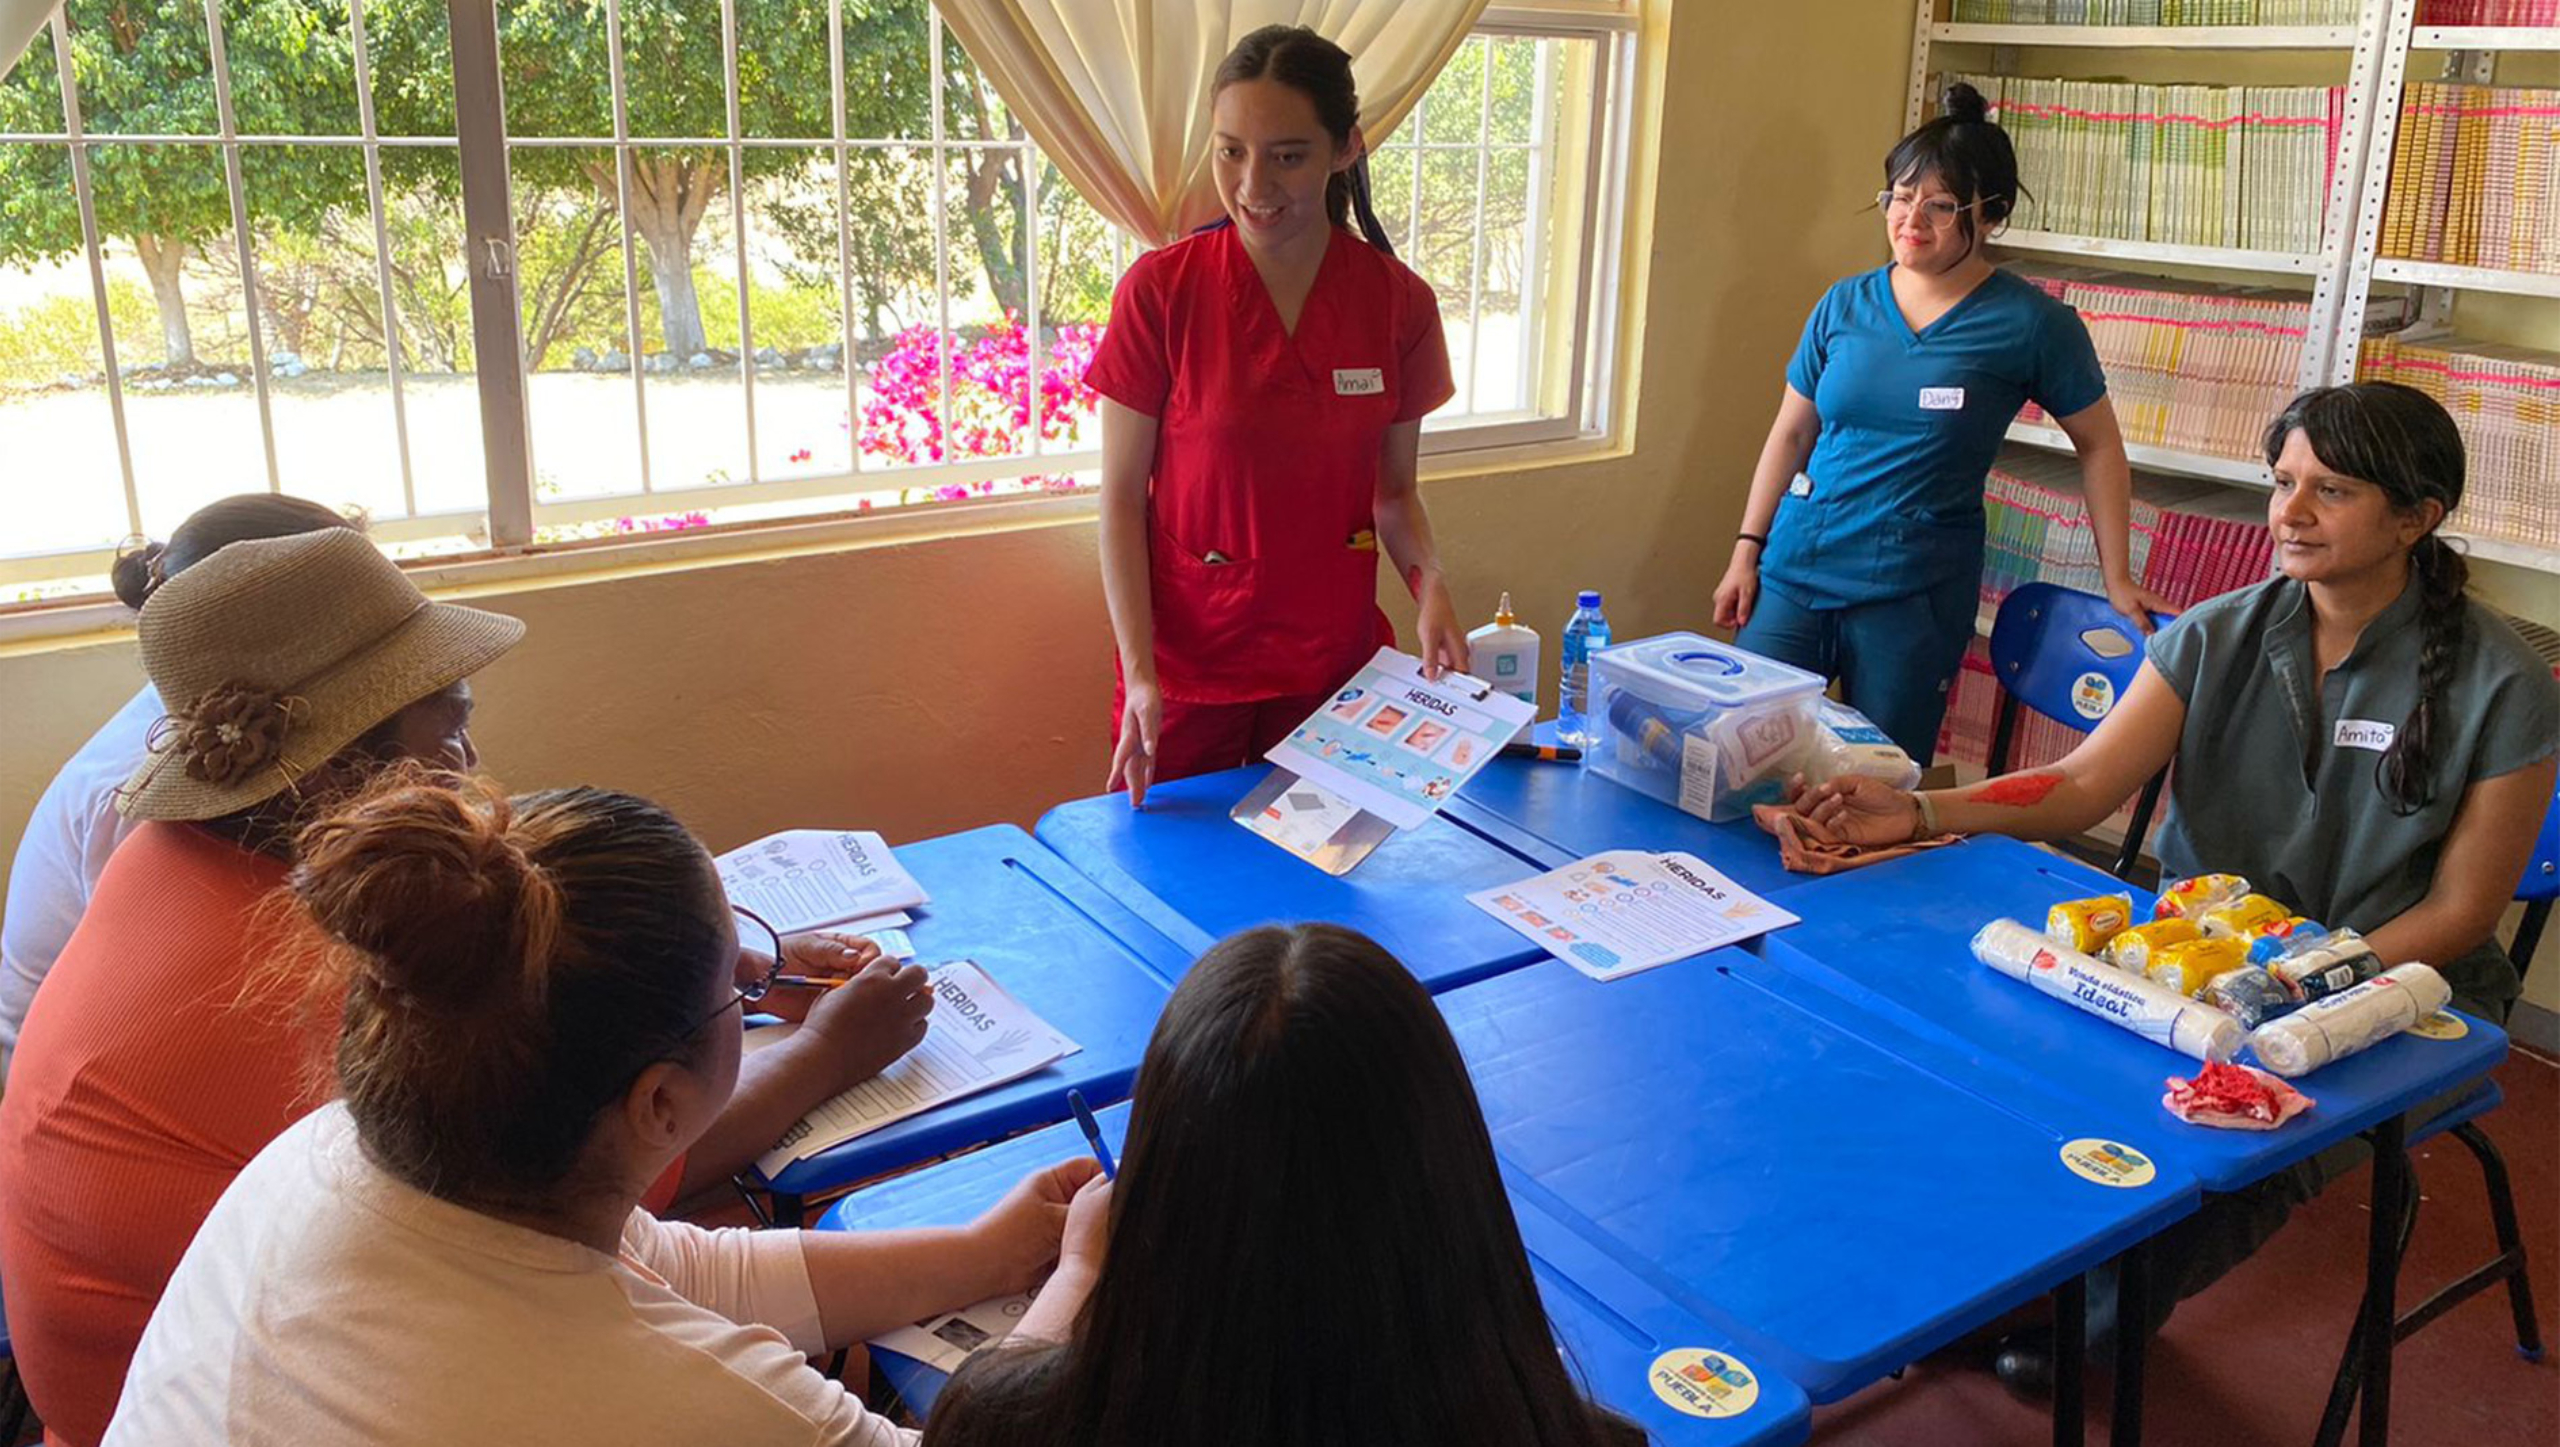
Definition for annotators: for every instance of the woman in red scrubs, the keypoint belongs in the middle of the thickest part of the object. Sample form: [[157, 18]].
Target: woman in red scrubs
[[1264, 384]]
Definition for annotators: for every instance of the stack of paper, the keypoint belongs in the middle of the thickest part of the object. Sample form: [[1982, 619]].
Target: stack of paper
[[2506, 402], [806, 879], [978, 1038], [2475, 178], [2190, 365]]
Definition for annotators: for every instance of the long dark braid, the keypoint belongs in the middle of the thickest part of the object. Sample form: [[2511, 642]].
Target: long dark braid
[[2404, 442]]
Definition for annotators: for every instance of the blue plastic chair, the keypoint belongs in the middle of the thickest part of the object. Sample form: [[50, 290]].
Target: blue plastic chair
[[2069, 656], [2540, 885]]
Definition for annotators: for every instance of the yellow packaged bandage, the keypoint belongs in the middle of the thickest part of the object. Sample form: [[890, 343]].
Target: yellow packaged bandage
[[2134, 949], [2188, 898], [2087, 924], [2245, 918], [2189, 967]]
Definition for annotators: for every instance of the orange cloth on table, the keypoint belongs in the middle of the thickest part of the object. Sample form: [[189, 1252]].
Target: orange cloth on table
[[1804, 853], [142, 1084]]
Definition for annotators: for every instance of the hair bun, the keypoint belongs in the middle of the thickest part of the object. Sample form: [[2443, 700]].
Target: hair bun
[[137, 573], [1965, 105], [422, 876]]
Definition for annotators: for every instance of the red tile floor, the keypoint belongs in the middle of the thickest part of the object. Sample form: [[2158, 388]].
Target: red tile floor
[[2249, 1360]]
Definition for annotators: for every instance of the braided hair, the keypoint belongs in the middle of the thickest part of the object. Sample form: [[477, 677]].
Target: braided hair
[[2403, 442]]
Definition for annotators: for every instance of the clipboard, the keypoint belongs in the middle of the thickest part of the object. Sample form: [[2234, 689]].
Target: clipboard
[[1385, 752]]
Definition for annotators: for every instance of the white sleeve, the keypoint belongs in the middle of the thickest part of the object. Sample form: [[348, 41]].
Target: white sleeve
[[755, 1278]]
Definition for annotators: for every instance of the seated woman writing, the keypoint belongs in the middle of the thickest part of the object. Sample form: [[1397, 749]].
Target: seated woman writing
[[2355, 735], [542, 1002]]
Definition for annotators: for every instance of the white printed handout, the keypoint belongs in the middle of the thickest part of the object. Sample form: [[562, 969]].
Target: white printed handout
[[944, 1342], [1397, 744], [978, 1038], [1616, 914], [805, 879]]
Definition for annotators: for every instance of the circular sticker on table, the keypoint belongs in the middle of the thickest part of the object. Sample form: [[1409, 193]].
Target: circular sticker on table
[[2442, 1025], [2108, 1163], [1702, 1383]]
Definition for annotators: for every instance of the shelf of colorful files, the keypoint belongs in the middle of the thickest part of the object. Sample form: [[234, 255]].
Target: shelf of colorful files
[[2506, 401], [2212, 175]]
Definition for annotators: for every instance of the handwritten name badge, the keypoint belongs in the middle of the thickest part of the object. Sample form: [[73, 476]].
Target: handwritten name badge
[[1359, 381], [2365, 733]]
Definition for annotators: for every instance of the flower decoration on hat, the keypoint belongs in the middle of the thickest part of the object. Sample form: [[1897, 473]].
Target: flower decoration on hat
[[234, 730]]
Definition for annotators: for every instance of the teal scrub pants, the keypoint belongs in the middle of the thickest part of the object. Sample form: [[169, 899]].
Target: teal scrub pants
[[1894, 659]]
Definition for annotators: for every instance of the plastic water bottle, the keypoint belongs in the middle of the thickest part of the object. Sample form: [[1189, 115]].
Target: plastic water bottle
[[1585, 633]]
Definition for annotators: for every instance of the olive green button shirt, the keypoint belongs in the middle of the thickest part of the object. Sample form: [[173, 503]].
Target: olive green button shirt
[[2277, 775]]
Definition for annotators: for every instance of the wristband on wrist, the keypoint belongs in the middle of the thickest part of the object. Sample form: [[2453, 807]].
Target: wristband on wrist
[[1928, 816], [1762, 539]]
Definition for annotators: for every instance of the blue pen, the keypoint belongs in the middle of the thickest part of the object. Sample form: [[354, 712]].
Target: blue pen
[[1093, 1134]]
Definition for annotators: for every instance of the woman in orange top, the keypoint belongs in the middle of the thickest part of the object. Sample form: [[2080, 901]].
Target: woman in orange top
[[1264, 383]]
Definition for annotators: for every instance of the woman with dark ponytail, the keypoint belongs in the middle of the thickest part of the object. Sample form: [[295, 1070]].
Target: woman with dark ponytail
[[1264, 383], [75, 826], [1860, 552], [2361, 740]]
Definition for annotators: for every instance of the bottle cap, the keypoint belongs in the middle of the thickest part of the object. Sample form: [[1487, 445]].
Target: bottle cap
[[1590, 598], [1502, 615]]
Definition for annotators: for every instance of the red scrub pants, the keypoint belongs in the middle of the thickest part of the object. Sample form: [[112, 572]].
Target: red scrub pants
[[1202, 738]]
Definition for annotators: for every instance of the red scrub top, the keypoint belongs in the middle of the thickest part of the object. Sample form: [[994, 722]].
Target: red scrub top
[[1267, 455]]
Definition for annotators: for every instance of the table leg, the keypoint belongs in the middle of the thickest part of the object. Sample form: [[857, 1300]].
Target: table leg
[[2133, 1343], [2382, 1277], [2070, 1362]]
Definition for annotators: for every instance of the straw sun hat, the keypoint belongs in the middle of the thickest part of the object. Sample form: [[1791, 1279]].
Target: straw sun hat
[[275, 654]]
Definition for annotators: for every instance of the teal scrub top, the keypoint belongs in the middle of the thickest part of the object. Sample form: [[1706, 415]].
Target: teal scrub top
[[1890, 504]]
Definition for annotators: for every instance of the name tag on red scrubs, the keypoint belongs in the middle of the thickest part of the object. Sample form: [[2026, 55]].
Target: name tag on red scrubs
[[1359, 381]]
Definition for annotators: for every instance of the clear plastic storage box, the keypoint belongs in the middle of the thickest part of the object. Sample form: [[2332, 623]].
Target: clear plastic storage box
[[1701, 724]]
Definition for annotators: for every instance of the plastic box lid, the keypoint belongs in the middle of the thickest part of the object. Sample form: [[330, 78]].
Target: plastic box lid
[[1689, 673]]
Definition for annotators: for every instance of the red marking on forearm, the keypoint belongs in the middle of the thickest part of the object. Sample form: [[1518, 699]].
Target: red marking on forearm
[[2017, 790], [1413, 581]]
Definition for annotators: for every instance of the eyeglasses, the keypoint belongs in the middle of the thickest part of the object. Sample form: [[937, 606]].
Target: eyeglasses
[[1938, 211], [755, 937]]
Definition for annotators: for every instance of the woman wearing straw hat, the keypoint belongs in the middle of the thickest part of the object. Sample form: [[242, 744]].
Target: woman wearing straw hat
[[296, 669]]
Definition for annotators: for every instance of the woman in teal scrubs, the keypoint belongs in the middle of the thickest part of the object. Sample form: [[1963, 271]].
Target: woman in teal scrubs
[[1860, 556]]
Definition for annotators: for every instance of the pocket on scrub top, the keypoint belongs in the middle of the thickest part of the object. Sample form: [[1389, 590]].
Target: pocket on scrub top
[[1198, 602]]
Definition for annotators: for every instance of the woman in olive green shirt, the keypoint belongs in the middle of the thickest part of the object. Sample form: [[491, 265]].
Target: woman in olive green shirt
[[2355, 735]]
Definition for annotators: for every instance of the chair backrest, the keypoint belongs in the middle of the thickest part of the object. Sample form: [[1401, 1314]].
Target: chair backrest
[[2066, 654], [2541, 880]]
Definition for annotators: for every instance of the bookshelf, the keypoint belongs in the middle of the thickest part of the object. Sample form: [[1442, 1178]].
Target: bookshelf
[[2372, 57]]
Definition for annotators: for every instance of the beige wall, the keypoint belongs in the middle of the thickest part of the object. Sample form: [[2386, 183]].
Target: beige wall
[[922, 687]]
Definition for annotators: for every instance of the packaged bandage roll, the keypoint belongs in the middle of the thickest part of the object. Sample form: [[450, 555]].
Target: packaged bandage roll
[[2137, 947], [2249, 995], [2187, 968], [2295, 936], [2187, 898], [2354, 1020], [2087, 924], [2343, 963], [2244, 918], [2159, 1015]]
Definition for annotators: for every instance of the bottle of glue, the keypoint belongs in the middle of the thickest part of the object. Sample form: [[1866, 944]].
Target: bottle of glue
[[1505, 654]]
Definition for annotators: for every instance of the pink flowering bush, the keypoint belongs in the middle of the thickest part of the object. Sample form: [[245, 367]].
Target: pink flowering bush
[[991, 401]]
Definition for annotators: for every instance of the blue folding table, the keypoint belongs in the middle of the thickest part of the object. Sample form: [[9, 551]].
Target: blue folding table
[[1198, 876], [1613, 1323], [1834, 1210], [1053, 941], [1558, 813], [1892, 942]]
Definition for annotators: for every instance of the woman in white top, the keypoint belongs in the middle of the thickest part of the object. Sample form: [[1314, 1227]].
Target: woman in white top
[[541, 1013], [75, 825]]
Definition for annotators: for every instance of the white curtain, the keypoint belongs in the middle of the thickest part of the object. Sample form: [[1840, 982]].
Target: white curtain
[[1117, 91], [19, 22]]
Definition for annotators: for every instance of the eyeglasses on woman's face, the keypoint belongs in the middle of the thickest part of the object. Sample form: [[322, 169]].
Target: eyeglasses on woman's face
[[1939, 211]]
